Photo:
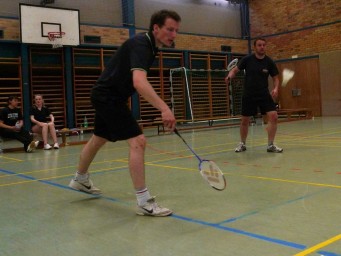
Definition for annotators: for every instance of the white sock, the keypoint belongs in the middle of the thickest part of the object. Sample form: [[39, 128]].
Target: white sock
[[81, 177], [142, 196]]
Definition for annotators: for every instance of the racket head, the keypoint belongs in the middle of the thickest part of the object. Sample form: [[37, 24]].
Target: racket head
[[211, 172], [232, 64], [287, 75]]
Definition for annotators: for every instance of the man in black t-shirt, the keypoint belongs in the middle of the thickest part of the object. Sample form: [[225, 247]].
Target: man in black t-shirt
[[125, 74], [258, 67], [11, 125]]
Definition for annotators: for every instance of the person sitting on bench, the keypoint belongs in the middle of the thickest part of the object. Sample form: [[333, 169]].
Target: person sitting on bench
[[11, 125], [43, 121]]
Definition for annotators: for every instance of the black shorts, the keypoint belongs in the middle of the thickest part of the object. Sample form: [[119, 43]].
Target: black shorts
[[114, 121], [251, 104]]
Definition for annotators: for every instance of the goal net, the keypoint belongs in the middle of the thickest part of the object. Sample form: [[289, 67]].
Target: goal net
[[199, 94]]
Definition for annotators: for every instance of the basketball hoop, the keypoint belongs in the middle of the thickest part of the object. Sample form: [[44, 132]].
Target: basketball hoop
[[56, 39]]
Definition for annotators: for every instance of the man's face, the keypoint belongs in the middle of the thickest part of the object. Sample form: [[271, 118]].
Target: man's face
[[14, 103], [260, 47], [165, 35]]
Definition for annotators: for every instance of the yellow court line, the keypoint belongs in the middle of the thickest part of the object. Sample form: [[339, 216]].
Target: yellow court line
[[58, 168], [35, 180], [10, 158], [292, 181], [37, 171], [179, 168], [318, 136], [55, 177], [121, 160], [253, 177], [171, 167], [319, 246]]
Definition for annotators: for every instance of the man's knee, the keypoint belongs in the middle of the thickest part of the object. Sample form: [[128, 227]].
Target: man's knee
[[97, 141], [138, 142], [245, 121], [272, 116]]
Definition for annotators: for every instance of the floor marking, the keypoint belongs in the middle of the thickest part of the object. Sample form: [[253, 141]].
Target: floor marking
[[10, 158], [60, 168], [252, 177], [242, 232], [213, 225], [32, 179], [273, 206], [293, 181], [319, 246]]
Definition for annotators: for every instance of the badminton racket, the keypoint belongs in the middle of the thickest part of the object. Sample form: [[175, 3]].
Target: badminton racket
[[287, 75], [209, 170], [232, 64]]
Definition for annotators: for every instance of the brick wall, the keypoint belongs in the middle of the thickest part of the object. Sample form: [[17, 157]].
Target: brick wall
[[11, 28], [276, 19], [211, 44], [109, 36], [306, 42], [116, 36], [297, 27], [207, 43]]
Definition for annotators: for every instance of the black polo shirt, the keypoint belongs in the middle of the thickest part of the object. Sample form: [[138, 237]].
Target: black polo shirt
[[257, 72], [115, 82], [42, 115]]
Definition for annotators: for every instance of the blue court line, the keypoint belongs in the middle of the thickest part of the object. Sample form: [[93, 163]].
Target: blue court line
[[61, 186], [241, 232], [183, 218], [324, 253], [271, 207]]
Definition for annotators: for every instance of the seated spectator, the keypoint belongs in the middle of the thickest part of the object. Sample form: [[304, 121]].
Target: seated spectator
[[11, 125], [43, 122]]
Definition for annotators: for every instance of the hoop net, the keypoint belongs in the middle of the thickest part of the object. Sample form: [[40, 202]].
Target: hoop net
[[56, 39]]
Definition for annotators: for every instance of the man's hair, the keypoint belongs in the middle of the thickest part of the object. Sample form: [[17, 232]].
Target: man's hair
[[10, 98], [258, 39], [159, 18]]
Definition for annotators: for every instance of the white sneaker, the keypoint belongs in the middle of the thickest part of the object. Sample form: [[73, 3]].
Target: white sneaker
[[151, 208], [47, 147], [86, 186], [32, 146], [241, 147], [274, 149], [56, 146]]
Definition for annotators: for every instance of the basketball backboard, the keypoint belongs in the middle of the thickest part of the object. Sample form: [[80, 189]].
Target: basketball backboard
[[37, 21]]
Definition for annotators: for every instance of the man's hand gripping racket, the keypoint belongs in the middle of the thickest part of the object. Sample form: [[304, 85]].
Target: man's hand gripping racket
[[209, 170], [231, 66]]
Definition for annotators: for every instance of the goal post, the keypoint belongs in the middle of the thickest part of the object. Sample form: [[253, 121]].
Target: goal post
[[202, 94], [180, 81]]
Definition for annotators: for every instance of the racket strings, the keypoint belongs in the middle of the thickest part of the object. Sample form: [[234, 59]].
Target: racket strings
[[211, 171], [212, 174]]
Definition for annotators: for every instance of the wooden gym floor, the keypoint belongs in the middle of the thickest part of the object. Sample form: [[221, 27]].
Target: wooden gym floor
[[274, 205]]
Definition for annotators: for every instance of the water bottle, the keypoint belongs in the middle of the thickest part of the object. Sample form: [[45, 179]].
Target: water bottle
[[85, 124]]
